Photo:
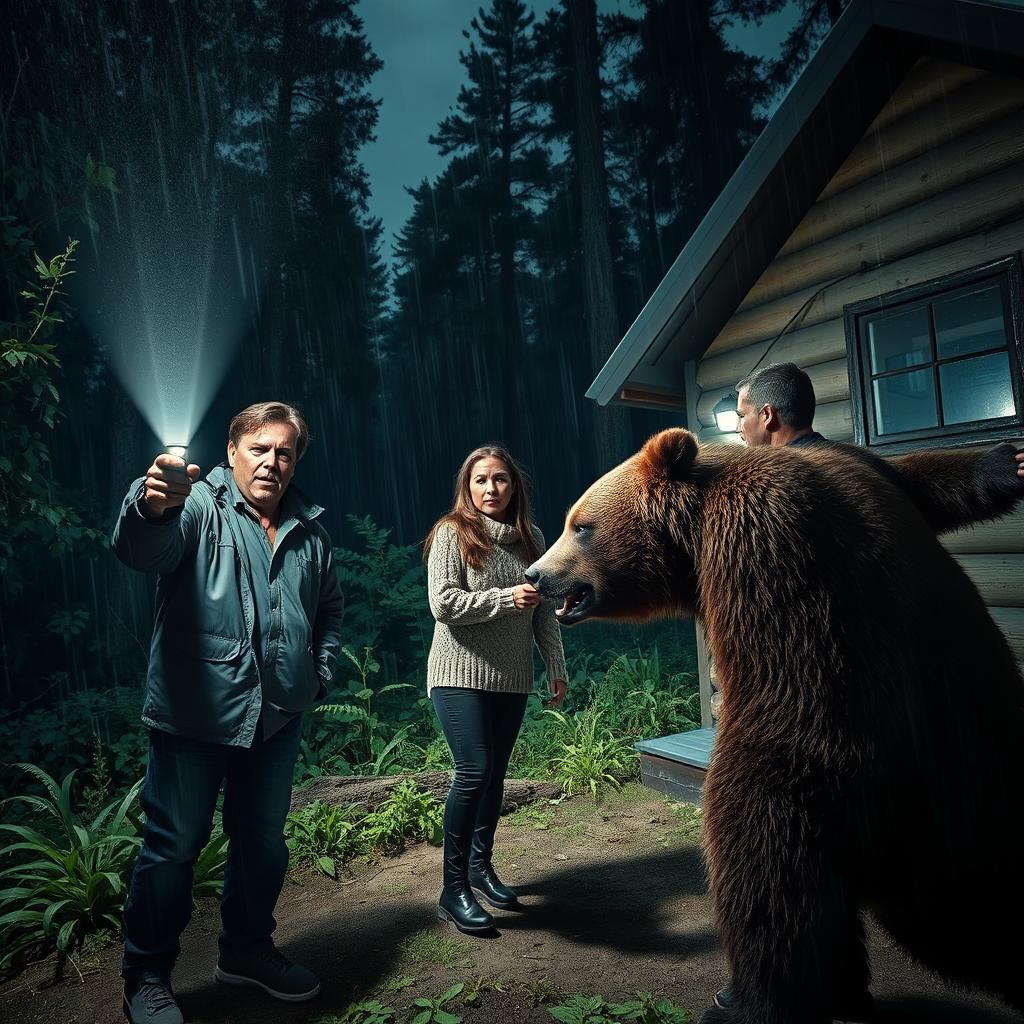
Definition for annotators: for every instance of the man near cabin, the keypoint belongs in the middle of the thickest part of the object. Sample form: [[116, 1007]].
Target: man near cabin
[[247, 629], [775, 406]]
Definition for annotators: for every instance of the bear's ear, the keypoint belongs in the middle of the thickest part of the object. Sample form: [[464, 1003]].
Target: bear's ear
[[669, 455]]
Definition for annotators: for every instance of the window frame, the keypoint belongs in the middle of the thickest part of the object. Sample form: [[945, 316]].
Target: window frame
[[1006, 268]]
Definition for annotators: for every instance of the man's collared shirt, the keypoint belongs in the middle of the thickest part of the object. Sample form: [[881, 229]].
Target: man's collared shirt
[[258, 560]]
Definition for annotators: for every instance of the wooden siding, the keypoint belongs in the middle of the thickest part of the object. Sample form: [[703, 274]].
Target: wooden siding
[[935, 186]]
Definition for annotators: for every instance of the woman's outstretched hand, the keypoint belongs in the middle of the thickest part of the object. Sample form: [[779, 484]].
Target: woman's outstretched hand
[[525, 596]]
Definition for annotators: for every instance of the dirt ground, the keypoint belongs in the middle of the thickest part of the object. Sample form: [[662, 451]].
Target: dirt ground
[[615, 901]]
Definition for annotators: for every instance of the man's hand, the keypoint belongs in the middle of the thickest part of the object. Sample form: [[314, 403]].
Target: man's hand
[[167, 485], [525, 596], [1020, 464]]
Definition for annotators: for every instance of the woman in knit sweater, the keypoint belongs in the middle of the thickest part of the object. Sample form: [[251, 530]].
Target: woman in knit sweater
[[480, 669]]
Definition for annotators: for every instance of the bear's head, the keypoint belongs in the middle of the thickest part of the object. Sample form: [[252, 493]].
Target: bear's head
[[626, 551]]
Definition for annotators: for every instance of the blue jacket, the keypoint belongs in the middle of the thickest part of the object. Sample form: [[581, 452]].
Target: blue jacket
[[204, 679]]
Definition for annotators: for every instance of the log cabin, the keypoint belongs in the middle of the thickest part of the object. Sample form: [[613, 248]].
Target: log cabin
[[873, 236]]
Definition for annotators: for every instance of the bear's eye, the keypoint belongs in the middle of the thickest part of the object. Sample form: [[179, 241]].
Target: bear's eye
[[581, 528]]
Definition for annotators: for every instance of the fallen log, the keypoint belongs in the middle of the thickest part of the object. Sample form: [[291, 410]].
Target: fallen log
[[370, 791]]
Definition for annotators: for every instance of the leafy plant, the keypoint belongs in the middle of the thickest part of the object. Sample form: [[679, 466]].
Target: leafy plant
[[324, 835], [64, 735], [70, 887], [29, 397], [97, 792], [369, 1012], [593, 758], [542, 991], [474, 989], [644, 1009], [432, 1011], [644, 700], [408, 813], [376, 754], [398, 982], [388, 595]]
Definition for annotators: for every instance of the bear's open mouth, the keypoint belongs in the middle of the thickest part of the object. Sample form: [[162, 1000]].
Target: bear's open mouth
[[575, 604]]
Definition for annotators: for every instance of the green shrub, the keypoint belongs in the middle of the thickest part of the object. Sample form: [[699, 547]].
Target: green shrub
[[68, 888], [385, 587], [432, 1011], [642, 699], [68, 734], [408, 813], [644, 1009], [324, 835], [373, 752], [592, 758], [369, 1012]]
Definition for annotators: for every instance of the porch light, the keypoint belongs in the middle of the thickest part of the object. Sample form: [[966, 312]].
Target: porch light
[[725, 413]]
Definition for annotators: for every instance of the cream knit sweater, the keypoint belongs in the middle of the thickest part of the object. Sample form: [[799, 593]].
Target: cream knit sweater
[[481, 640]]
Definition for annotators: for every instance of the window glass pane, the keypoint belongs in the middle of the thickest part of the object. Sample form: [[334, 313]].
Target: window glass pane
[[905, 401], [977, 389], [970, 323], [899, 340]]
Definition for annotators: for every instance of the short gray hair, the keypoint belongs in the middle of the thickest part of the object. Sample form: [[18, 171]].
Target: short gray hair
[[250, 419], [786, 388]]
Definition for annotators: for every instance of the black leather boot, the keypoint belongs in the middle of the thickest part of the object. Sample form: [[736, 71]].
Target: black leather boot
[[459, 905], [491, 888]]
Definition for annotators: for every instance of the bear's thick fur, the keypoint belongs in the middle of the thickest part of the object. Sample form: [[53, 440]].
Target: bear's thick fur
[[870, 752]]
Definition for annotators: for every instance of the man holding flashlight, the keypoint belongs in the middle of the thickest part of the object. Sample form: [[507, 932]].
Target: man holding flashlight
[[247, 630]]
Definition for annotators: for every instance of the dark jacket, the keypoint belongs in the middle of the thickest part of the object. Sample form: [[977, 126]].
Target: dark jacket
[[204, 679]]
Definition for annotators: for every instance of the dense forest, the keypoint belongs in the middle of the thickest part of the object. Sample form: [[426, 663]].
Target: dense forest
[[205, 157]]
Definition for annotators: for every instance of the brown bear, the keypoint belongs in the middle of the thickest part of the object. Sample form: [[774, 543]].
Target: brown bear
[[870, 752]]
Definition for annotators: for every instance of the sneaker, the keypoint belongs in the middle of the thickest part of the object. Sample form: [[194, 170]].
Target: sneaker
[[148, 999], [267, 968]]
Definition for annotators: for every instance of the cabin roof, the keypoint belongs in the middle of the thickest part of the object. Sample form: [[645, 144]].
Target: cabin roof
[[827, 110]]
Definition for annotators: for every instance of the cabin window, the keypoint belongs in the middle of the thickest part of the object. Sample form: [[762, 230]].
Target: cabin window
[[939, 363]]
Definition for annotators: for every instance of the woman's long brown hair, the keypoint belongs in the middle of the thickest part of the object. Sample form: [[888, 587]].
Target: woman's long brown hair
[[474, 542]]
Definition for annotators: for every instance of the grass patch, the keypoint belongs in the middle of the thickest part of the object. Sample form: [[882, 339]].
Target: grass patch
[[541, 992], [428, 947], [688, 820], [538, 815], [397, 982], [631, 794], [571, 830], [475, 988]]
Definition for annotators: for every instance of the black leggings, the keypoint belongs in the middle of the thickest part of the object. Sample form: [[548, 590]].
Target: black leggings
[[481, 727]]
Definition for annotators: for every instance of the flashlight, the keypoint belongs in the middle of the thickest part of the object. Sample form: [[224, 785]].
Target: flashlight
[[179, 451]]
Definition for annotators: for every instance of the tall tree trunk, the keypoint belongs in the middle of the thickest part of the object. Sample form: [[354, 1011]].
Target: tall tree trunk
[[511, 361], [273, 319], [611, 424]]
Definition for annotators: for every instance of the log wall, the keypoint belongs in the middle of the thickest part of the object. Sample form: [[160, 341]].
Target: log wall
[[935, 186]]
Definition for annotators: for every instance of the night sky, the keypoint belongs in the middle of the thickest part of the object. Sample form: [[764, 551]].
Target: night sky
[[419, 42]]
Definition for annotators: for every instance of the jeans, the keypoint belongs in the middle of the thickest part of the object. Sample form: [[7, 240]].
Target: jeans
[[481, 727], [179, 796]]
